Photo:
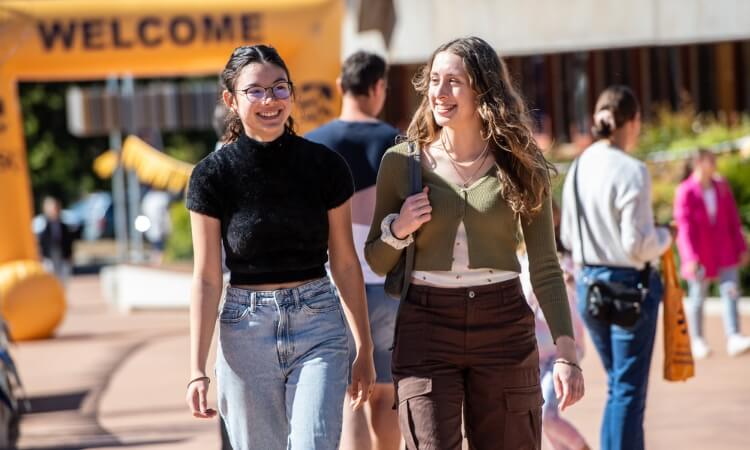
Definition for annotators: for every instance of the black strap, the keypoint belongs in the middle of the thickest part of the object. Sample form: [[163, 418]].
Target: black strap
[[579, 210], [415, 186]]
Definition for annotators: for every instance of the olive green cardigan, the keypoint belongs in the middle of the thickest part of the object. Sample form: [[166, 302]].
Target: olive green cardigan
[[491, 228]]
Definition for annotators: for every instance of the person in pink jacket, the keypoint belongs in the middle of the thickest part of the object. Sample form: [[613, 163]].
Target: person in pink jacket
[[712, 248]]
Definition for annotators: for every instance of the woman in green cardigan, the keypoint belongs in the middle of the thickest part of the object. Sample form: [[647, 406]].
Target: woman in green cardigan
[[465, 335]]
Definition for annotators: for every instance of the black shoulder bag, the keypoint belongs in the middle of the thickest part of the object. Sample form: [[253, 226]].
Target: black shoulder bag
[[611, 302], [397, 279]]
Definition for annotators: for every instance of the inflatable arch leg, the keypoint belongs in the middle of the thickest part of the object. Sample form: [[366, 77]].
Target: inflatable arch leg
[[32, 301]]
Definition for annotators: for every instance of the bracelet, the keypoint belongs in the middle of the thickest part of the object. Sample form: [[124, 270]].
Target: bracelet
[[198, 379], [387, 234], [568, 363], [390, 228]]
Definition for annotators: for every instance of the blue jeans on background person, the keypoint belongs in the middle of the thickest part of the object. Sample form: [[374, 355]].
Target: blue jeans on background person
[[626, 357], [729, 290], [282, 367], [381, 310]]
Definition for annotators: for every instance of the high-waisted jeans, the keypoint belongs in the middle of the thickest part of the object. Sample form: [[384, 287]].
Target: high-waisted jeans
[[626, 356], [282, 367]]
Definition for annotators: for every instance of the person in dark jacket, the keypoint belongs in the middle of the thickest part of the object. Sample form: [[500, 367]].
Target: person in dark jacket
[[56, 241]]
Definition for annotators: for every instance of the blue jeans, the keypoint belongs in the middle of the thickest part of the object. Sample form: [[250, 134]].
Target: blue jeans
[[729, 289], [381, 309], [626, 356], [282, 367]]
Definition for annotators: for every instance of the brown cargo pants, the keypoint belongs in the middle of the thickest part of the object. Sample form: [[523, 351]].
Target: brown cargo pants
[[472, 350]]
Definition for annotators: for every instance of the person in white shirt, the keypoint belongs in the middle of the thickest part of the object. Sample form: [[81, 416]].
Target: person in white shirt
[[616, 240]]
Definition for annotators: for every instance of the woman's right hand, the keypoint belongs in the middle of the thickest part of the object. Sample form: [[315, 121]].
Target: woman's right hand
[[363, 379], [415, 211], [196, 397]]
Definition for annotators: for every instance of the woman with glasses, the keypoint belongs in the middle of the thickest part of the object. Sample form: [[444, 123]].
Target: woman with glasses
[[279, 204]]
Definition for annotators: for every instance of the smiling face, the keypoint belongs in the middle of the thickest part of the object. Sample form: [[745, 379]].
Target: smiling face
[[263, 119], [452, 100]]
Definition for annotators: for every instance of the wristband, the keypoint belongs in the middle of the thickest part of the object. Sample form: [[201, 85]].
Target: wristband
[[568, 363], [198, 379], [386, 235]]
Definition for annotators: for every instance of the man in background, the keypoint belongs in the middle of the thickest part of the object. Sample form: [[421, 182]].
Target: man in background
[[56, 241], [362, 139]]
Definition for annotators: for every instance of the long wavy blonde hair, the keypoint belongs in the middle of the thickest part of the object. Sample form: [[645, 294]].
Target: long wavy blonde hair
[[523, 171]]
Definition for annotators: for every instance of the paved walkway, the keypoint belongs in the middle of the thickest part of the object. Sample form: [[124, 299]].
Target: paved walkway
[[110, 380]]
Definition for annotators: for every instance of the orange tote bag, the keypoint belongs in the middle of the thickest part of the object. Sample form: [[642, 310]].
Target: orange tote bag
[[678, 356]]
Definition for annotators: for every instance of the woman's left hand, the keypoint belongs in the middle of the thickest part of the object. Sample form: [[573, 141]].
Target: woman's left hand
[[568, 384], [363, 379]]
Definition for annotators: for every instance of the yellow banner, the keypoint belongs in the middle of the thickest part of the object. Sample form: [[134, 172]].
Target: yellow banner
[[53, 40], [92, 39], [152, 167]]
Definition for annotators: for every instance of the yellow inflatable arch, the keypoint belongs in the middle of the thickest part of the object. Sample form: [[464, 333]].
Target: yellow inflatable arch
[[50, 40]]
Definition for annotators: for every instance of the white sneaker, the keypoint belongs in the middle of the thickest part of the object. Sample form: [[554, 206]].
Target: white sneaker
[[737, 344], [701, 350]]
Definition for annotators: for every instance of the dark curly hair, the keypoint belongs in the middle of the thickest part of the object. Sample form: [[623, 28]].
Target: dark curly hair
[[242, 57]]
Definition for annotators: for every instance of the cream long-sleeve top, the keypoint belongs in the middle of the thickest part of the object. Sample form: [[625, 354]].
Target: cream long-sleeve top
[[615, 194]]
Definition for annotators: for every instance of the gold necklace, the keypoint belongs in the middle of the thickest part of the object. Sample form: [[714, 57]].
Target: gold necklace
[[448, 153], [466, 181]]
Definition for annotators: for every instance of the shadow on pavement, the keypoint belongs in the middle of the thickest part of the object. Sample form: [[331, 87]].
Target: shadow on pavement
[[52, 403]]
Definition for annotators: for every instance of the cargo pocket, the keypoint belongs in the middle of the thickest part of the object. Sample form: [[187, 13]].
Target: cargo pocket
[[523, 420], [412, 402]]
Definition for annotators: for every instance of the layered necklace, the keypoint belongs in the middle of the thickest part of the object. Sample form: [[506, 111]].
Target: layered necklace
[[458, 165]]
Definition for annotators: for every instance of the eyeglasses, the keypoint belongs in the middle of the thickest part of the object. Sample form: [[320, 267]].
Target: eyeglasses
[[281, 91]]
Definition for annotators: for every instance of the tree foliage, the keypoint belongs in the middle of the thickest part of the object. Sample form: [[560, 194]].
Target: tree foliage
[[59, 163]]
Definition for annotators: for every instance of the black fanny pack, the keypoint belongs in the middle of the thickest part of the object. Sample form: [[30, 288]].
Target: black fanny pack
[[617, 303]]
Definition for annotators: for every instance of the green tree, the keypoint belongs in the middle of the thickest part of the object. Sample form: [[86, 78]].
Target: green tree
[[59, 163]]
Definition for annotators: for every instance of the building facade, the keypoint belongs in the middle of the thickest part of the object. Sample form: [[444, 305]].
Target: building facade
[[563, 53]]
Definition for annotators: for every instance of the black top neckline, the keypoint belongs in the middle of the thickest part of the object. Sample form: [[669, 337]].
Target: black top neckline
[[245, 142]]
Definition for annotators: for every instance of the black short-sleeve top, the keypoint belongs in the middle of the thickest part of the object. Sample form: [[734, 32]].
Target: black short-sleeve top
[[272, 199]]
